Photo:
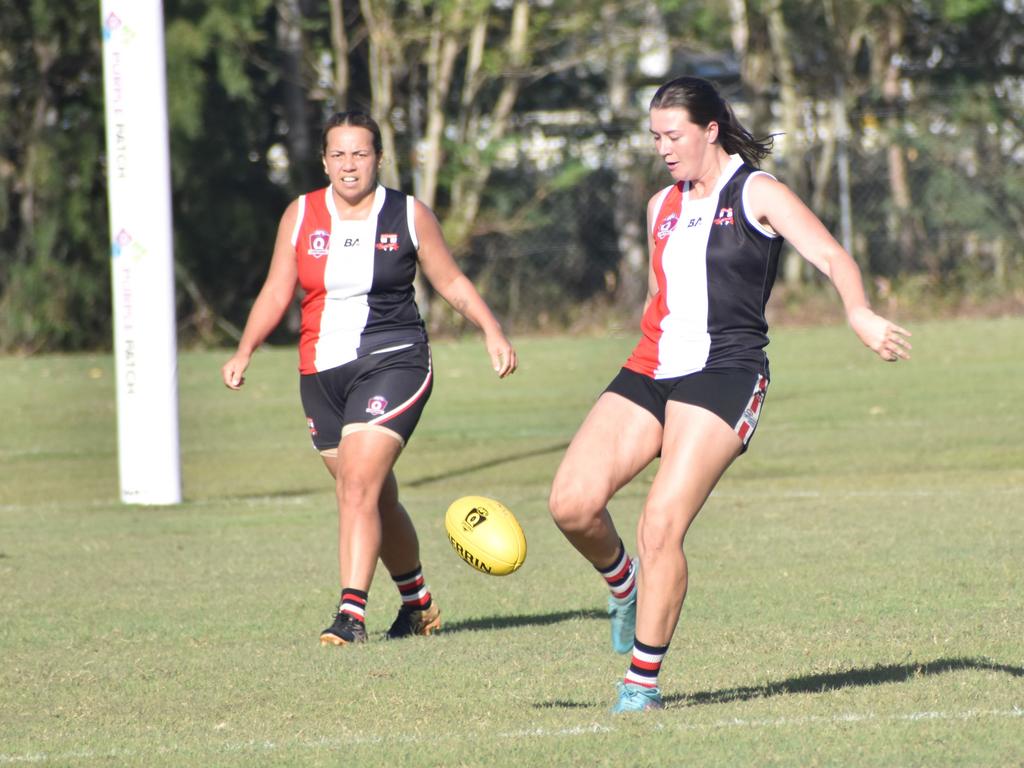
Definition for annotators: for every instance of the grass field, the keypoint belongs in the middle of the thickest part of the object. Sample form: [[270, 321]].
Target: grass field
[[856, 579]]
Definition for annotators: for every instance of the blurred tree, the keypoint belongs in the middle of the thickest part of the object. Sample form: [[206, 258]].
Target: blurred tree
[[231, 168], [54, 275], [523, 125]]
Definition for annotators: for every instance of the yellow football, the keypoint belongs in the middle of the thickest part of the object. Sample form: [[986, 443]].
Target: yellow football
[[485, 534]]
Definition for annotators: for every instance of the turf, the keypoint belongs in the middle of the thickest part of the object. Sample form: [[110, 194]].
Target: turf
[[856, 579]]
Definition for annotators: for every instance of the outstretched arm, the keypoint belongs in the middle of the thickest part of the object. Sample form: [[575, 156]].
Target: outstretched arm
[[271, 303], [775, 205], [448, 280]]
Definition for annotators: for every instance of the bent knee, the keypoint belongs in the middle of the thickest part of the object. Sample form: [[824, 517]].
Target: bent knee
[[574, 505]]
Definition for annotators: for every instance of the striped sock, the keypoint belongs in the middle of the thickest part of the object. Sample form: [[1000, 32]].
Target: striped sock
[[413, 589], [620, 575], [353, 603], [645, 664]]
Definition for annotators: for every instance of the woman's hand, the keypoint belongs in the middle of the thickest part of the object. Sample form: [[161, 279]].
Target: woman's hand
[[884, 338], [233, 371], [503, 356]]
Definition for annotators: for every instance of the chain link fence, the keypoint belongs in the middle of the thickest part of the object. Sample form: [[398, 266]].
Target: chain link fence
[[920, 200]]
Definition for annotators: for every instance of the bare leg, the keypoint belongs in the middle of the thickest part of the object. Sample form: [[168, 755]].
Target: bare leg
[[616, 440], [698, 447], [400, 546], [365, 460]]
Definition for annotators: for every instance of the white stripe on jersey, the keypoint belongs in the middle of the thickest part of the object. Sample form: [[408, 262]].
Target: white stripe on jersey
[[298, 220], [349, 273], [410, 215], [685, 341], [746, 208]]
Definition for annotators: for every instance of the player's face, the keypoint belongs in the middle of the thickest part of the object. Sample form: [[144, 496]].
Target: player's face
[[682, 144], [351, 162]]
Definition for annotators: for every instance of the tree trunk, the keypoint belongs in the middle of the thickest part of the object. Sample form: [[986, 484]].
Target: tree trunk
[[383, 59], [753, 52], [902, 224], [792, 148], [468, 186], [441, 54], [293, 45], [628, 207], [340, 53]]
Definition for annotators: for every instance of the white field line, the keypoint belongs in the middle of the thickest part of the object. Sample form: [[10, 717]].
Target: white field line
[[339, 743]]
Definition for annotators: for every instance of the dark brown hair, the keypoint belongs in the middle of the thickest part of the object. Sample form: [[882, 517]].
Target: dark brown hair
[[704, 104], [357, 118]]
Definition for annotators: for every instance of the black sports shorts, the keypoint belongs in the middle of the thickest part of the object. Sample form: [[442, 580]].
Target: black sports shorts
[[734, 396], [386, 390]]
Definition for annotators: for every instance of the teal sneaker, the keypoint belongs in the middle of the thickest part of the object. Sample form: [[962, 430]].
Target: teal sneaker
[[637, 698], [623, 618]]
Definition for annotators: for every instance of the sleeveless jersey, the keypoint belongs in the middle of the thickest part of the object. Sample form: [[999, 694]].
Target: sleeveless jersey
[[357, 277], [714, 269]]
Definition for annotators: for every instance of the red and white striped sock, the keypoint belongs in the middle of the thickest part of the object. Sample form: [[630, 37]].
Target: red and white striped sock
[[353, 603], [413, 589], [645, 664], [620, 575]]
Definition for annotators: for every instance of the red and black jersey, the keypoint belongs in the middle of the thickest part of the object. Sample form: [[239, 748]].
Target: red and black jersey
[[357, 277], [715, 268]]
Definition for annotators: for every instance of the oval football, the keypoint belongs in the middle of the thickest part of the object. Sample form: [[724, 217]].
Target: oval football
[[485, 534]]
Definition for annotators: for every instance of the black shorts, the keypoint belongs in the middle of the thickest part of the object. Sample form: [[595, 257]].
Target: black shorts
[[734, 396], [386, 390]]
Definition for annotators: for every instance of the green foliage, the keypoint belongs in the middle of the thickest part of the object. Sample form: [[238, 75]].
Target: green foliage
[[49, 304], [962, 10], [957, 118], [186, 49], [53, 284]]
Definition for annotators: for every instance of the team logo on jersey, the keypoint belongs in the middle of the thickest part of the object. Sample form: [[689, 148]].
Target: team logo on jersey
[[377, 405], [724, 218], [312, 427], [319, 243], [667, 225], [388, 242]]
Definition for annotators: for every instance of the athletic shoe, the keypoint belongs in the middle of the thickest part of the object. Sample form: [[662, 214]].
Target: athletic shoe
[[344, 631], [637, 698], [623, 616], [414, 621]]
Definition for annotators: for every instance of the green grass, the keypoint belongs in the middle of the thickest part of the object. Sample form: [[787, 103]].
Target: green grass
[[856, 579]]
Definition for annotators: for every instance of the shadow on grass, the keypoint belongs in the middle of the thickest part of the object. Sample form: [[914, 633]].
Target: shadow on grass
[[535, 620], [496, 462], [881, 674], [414, 483]]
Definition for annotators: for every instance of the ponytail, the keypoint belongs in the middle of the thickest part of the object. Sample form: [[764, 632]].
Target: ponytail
[[705, 105]]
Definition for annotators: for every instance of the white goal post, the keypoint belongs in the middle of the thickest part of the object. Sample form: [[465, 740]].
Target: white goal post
[[141, 251]]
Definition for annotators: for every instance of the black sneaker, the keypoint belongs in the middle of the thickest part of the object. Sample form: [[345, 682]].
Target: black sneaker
[[414, 621], [343, 631]]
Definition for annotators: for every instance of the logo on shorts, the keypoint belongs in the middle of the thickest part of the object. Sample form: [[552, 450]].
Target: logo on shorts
[[750, 418], [388, 242], [667, 225], [312, 427], [377, 405], [319, 243]]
